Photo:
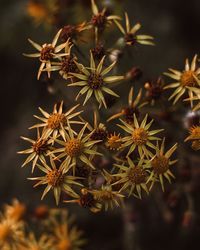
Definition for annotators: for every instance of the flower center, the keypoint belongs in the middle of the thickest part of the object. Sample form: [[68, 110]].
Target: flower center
[[137, 175], [55, 120], [55, 177], [40, 146], [73, 147], [46, 53], [196, 145], [187, 78], [160, 164], [130, 39], [68, 65], [95, 81], [114, 142], [195, 132], [140, 136], [99, 21]]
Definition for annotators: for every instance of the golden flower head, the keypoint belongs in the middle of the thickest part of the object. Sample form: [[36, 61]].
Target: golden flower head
[[185, 81], [194, 137], [130, 37], [56, 122], [94, 82], [56, 179], [75, 147], [132, 177], [139, 137], [160, 165], [114, 141], [15, 211]]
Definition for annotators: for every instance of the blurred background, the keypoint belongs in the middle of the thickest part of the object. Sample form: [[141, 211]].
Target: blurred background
[[142, 225]]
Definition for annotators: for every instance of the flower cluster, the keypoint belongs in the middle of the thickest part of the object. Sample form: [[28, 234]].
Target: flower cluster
[[122, 152], [57, 231]]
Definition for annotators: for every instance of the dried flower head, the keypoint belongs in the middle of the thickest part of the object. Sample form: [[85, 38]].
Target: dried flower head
[[160, 165], [46, 53], [114, 141], [56, 122], [39, 149], [154, 90], [133, 177], [130, 37], [15, 211], [133, 107], [76, 148], [107, 197], [140, 136], [194, 137], [93, 81], [185, 80], [43, 243], [57, 179], [100, 20]]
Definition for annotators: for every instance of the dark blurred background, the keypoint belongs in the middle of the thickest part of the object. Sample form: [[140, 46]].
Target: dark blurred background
[[175, 25]]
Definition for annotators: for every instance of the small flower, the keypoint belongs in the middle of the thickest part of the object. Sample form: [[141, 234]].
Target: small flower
[[140, 136], [99, 129], [56, 179], [93, 81], [133, 177], [107, 197], [160, 165], [71, 33], [66, 235], [11, 233], [87, 200], [39, 149], [56, 122], [43, 243], [130, 36], [47, 52], [154, 90], [114, 141], [66, 64], [194, 137], [15, 211], [98, 52], [185, 81], [133, 107], [100, 20], [76, 148]]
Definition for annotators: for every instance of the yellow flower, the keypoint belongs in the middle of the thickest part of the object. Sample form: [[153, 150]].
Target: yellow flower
[[47, 52], [194, 137], [130, 36], [11, 233], [132, 177], [107, 197], [100, 20], [56, 122], [43, 243], [66, 235], [185, 81], [134, 106], [56, 179], [38, 150], [160, 165], [94, 82], [114, 141], [15, 211], [76, 147], [140, 136]]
